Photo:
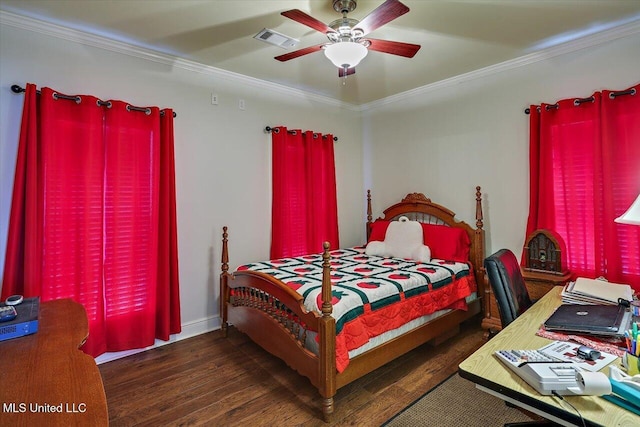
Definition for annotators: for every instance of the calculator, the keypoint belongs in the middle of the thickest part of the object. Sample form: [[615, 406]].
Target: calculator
[[519, 357], [544, 373]]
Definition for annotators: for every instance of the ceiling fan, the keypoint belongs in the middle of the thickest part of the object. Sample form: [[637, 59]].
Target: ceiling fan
[[348, 43]]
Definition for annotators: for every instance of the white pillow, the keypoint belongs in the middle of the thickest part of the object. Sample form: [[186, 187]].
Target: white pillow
[[422, 254], [376, 248], [403, 240]]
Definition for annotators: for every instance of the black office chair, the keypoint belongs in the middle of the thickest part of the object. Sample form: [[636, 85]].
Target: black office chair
[[507, 283], [512, 297]]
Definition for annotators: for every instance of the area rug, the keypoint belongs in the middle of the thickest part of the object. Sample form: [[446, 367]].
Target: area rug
[[456, 402]]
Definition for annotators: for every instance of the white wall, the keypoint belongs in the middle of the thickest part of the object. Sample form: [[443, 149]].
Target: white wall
[[222, 153], [441, 140], [473, 131]]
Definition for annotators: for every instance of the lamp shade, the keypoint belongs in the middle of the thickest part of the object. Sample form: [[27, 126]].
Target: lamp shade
[[632, 215], [345, 54]]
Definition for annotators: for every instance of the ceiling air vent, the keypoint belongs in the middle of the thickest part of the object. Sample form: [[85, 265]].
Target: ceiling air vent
[[276, 38]]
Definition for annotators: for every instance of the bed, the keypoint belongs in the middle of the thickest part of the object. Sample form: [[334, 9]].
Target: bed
[[287, 306]]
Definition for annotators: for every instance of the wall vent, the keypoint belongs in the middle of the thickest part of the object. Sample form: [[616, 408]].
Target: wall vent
[[276, 38]]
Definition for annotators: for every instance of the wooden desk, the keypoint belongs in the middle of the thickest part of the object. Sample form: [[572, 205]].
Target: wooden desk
[[493, 377], [45, 380]]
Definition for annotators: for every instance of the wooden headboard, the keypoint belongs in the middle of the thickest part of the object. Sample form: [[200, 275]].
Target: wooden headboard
[[418, 207]]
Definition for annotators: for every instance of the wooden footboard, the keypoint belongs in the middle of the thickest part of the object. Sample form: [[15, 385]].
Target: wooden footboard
[[274, 317]]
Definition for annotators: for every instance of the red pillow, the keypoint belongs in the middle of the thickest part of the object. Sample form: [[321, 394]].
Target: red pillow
[[448, 243], [378, 230]]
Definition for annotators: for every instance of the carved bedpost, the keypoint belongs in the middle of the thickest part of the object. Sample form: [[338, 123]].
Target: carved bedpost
[[479, 216], [327, 334], [224, 277], [481, 280], [369, 214]]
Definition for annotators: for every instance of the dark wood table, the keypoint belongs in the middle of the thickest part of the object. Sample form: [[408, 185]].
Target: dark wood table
[[45, 380]]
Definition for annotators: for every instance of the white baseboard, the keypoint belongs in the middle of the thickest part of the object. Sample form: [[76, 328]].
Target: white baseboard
[[188, 330]]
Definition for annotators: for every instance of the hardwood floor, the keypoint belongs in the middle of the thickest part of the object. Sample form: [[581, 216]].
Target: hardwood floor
[[215, 381]]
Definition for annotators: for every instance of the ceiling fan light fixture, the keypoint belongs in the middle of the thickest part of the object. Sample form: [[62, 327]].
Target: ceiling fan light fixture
[[346, 54]]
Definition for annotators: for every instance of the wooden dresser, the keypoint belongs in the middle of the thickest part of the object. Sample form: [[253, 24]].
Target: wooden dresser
[[538, 284], [45, 380]]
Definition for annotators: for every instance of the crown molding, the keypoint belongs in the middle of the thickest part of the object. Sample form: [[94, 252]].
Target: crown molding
[[53, 30], [592, 40], [84, 38]]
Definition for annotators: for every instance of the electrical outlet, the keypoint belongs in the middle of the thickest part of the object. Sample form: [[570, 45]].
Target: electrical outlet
[[241, 104], [214, 99]]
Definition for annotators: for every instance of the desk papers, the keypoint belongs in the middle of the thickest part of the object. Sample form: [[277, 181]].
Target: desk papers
[[568, 352], [591, 291]]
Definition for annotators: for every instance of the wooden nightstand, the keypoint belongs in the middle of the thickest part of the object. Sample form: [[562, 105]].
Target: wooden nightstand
[[538, 284], [543, 268]]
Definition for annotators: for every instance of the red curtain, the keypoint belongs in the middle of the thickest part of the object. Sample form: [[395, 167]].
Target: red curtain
[[585, 172], [93, 216], [22, 267], [304, 206]]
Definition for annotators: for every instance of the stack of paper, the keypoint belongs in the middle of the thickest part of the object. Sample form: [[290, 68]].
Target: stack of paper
[[590, 291]]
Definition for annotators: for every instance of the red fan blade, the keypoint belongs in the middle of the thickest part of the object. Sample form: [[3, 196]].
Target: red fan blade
[[395, 48], [386, 12], [301, 17], [350, 71], [299, 52]]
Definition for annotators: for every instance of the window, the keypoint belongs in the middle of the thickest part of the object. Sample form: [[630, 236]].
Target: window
[[304, 207], [93, 216], [585, 172]]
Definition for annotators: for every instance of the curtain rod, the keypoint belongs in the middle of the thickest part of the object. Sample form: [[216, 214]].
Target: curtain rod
[[579, 101], [20, 89], [268, 129]]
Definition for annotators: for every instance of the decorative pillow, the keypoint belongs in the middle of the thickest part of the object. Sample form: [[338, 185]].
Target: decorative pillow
[[448, 243], [421, 253], [377, 248], [378, 230], [403, 239]]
